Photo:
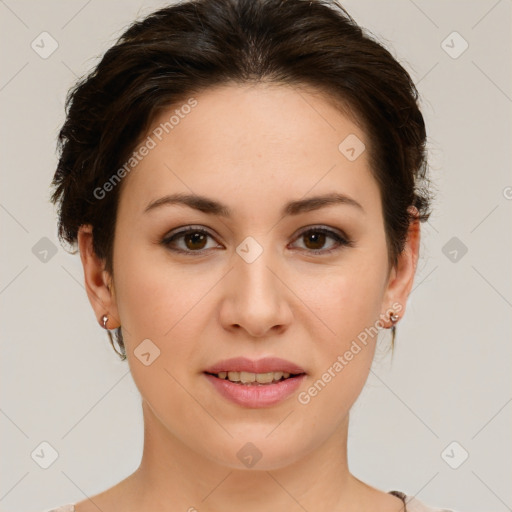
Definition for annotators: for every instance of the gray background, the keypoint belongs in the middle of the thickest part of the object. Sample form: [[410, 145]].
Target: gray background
[[450, 377]]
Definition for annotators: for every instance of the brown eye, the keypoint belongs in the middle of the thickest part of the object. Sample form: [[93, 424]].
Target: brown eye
[[316, 238], [189, 240], [195, 240]]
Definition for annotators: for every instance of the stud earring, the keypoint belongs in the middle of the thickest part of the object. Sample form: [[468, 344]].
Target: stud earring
[[394, 318]]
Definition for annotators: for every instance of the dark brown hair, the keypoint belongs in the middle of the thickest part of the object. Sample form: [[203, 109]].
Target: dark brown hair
[[184, 48]]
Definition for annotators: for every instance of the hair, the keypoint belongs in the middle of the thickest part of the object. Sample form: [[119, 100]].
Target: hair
[[190, 46]]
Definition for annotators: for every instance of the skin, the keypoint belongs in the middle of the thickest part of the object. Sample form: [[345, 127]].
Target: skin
[[253, 148]]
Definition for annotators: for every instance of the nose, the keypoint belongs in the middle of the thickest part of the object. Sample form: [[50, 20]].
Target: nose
[[256, 298]]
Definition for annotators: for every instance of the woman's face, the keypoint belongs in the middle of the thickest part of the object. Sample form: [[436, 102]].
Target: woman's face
[[247, 282]]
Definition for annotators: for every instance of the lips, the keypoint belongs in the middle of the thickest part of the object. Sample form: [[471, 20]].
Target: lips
[[264, 365], [256, 396]]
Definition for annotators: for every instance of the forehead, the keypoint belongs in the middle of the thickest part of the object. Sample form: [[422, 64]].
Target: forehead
[[264, 140], [254, 118]]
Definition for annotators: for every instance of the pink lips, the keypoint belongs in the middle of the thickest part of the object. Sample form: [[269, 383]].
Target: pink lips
[[256, 395]]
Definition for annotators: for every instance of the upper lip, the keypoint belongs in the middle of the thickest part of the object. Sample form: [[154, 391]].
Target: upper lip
[[264, 365]]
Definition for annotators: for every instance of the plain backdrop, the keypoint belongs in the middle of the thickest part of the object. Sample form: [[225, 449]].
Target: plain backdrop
[[446, 393]]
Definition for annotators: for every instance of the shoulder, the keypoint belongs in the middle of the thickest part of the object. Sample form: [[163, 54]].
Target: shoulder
[[63, 508], [412, 504]]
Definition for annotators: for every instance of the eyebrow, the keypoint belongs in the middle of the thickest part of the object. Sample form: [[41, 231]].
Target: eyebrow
[[213, 207]]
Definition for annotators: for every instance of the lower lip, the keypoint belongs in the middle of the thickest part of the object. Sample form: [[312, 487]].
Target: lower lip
[[253, 395]]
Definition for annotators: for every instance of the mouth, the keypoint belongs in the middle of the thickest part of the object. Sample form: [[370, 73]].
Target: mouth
[[276, 387], [255, 379], [255, 383]]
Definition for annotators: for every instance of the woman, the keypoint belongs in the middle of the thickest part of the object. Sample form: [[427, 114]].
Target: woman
[[245, 181]]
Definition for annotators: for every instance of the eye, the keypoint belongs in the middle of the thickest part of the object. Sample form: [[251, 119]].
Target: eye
[[193, 240], [316, 237]]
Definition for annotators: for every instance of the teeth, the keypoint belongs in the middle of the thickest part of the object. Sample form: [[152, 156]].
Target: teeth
[[248, 377], [234, 376]]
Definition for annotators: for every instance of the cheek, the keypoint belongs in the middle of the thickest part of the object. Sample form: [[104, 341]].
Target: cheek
[[350, 310], [142, 297], [145, 275], [152, 297], [347, 299], [348, 303], [159, 301]]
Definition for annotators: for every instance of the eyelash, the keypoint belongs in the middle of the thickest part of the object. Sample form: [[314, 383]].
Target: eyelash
[[342, 241]]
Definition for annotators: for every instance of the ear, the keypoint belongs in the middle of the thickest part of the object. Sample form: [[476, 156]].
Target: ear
[[401, 277], [98, 282]]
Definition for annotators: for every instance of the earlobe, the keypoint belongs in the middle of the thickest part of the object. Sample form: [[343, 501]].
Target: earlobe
[[97, 280]]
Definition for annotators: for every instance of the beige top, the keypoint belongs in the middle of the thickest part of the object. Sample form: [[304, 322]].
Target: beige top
[[411, 505]]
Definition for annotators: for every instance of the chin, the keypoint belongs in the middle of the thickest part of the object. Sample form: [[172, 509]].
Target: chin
[[257, 452]]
